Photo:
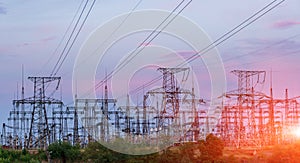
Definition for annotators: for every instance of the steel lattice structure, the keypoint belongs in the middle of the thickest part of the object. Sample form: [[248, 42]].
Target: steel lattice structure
[[248, 117]]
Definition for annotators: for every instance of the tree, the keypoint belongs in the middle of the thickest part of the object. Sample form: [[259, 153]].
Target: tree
[[96, 152], [214, 146], [64, 151], [211, 149], [9, 155]]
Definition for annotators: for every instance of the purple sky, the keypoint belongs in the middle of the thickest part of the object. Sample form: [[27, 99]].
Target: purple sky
[[31, 30]]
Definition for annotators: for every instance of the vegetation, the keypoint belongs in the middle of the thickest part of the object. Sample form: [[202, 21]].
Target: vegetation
[[287, 153], [209, 150], [64, 151], [8, 156]]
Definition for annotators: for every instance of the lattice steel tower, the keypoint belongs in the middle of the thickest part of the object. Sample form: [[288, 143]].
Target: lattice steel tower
[[39, 133]]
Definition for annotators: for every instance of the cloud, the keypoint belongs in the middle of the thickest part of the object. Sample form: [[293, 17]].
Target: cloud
[[285, 24], [3, 10], [41, 41], [48, 39], [289, 43], [262, 52]]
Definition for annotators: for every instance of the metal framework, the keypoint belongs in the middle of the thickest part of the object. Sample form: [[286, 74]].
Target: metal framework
[[31, 127], [177, 109], [248, 117], [252, 118]]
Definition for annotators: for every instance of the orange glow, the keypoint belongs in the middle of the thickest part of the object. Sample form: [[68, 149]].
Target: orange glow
[[296, 132]]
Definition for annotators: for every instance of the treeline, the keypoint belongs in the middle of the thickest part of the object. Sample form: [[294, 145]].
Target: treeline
[[201, 151], [210, 150], [11, 156]]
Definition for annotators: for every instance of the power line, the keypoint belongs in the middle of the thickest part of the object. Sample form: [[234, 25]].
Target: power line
[[273, 58], [112, 72], [90, 9], [216, 43], [153, 32], [264, 48], [259, 50], [116, 29], [60, 62], [64, 36], [111, 34], [120, 66], [220, 40], [63, 55], [133, 54], [69, 39]]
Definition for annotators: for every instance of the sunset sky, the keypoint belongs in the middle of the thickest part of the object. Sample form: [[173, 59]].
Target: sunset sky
[[31, 30]]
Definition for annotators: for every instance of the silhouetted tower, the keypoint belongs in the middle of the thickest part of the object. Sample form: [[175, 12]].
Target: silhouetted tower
[[195, 125], [39, 135], [271, 125], [105, 120], [245, 120], [127, 118], [76, 139], [169, 112], [145, 123], [23, 130], [137, 127], [286, 110]]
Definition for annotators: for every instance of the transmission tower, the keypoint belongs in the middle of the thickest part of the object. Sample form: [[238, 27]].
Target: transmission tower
[[177, 110], [39, 133], [244, 123], [171, 95]]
